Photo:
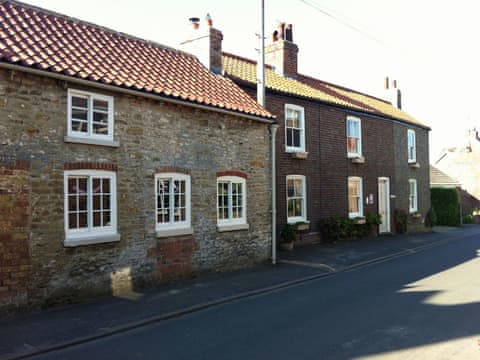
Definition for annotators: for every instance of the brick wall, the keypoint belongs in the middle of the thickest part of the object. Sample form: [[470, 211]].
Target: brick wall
[[404, 172], [327, 166], [152, 135], [15, 263]]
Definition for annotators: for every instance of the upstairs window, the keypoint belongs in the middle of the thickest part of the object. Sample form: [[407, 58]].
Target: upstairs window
[[231, 200], [90, 116], [296, 199], [354, 137], [172, 193], [355, 196], [412, 146], [294, 128], [412, 196]]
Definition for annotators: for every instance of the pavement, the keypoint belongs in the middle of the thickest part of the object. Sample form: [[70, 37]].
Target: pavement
[[28, 334]]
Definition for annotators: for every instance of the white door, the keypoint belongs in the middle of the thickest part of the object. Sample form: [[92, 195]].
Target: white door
[[384, 204]]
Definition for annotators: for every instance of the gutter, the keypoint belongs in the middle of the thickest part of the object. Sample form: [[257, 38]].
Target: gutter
[[114, 88]]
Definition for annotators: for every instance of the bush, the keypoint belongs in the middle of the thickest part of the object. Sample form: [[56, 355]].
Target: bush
[[336, 228], [288, 233], [447, 206], [401, 217], [467, 219]]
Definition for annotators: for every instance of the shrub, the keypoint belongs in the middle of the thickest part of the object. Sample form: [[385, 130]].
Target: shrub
[[467, 219], [288, 233], [336, 228], [401, 217], [447, 206]]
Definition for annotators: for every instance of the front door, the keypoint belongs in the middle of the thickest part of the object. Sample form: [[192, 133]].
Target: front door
[[384, 204]]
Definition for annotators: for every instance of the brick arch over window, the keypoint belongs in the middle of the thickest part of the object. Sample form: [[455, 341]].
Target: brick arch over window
[[90, 166], [232, 173]]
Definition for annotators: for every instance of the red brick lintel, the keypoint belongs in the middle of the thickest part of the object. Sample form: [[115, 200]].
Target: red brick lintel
[[172, 169], [12, 164], [90, 166], [232, 173]]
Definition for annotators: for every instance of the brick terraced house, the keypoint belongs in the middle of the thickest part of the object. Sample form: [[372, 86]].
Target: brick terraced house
[[339, 152], [123, 163]]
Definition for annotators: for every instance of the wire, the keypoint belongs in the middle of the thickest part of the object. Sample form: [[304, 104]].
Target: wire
[[317, 7]]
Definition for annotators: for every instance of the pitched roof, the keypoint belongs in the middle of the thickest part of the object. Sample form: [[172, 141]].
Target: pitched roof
[[243, 69], [438, 177], [35, 38]]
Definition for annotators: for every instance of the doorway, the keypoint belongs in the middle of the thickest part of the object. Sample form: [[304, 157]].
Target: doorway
[[384, 204]]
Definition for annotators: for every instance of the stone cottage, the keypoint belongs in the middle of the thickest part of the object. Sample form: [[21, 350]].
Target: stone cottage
[[340, 152], [123, 163]]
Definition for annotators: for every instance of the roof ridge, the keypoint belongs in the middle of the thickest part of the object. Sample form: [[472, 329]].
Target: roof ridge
[[100, 27], [345, 88], [238, 57]]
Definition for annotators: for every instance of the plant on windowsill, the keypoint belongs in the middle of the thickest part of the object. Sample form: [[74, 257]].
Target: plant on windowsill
[[288, 237], [302, 226], [416, 215], [359, 220]]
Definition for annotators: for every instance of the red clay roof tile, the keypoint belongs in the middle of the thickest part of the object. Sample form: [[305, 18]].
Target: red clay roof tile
[[37, 38]]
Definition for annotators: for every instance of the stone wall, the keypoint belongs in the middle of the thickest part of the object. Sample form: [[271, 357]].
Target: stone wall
[[152, 134]]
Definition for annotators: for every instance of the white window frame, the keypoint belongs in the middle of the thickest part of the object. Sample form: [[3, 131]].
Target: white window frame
[[413, 146], [301, 112], [91, 234], [89, 135], [359, 181], [230, 220], [412, 197], [172, 224], [358, 121], [303, 217]]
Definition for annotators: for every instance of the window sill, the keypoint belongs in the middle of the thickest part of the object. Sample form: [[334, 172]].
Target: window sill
[[414, 165], [174, 232], [91, 240], [299, 155], [236, 227], [90, 141], [357, 159]]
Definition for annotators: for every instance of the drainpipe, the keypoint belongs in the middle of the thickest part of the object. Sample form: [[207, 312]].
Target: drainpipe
[[273, 132]]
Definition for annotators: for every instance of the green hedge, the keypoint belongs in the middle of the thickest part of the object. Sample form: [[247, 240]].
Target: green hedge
[[447, 206]]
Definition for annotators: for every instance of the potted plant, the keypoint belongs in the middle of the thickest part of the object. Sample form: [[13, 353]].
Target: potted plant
[[288, 237]]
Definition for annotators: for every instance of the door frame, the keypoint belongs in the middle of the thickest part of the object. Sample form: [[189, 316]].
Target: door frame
[[384, 181]]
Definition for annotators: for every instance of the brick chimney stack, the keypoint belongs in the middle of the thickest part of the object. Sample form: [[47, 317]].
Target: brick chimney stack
[[282, 53], [205, 42]]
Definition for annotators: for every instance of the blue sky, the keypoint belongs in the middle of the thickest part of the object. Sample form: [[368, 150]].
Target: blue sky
[[429, 46]]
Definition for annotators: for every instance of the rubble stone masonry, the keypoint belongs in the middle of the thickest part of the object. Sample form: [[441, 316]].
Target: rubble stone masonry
[[35, 266]]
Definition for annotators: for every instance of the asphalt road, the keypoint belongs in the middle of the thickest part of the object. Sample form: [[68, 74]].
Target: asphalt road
[[422, 306]]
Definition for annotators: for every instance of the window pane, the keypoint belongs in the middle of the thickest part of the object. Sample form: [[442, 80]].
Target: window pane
[[79, 102], [72, 220], [298, 187], [290, 188], [97, 218], [352, 145], [79, 114], [79, 126], [96, 186], [101, 129], [97, 202], [82, 220], [290, 206], [296, 138], [101, 118], [106, 202], [107, 218], [106, 186], [100, 105], [82, 202], [72, 203]]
